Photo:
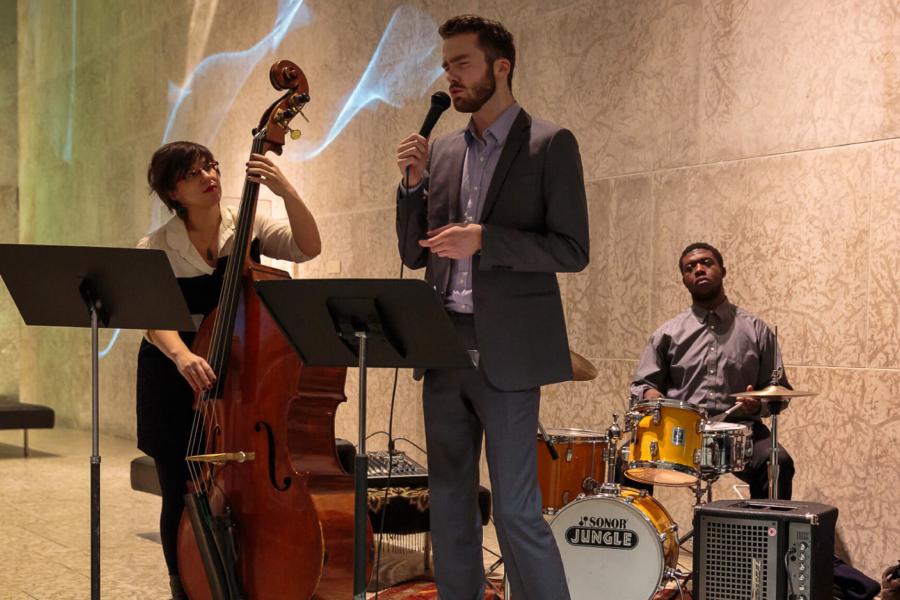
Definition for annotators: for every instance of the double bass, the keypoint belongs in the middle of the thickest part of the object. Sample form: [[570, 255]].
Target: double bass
[[269, 510]]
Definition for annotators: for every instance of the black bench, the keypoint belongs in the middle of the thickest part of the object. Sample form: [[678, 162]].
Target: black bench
[[144, 477], [407, 511], [18, 415]]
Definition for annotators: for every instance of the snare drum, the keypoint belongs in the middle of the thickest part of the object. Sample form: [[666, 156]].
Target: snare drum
[[580, 456], [666, 441], [616, 547], [725, 447]]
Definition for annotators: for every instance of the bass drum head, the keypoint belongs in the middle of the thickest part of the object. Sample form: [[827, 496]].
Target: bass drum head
[[610, 550]]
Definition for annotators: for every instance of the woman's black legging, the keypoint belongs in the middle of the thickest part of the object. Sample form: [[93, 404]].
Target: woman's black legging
[[173, 476]]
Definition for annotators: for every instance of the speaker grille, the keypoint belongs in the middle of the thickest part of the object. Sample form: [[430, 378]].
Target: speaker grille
[[733, 548]]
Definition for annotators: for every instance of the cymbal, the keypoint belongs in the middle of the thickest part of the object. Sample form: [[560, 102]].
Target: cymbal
[[773, 391], [582, 369]]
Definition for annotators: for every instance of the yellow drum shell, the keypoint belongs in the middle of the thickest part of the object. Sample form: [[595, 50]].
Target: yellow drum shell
[[664, 452]]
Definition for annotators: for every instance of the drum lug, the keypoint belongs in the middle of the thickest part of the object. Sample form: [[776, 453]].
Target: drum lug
[[700, 425], [654, 450], [569, 454], [697, 456], [657, 414]]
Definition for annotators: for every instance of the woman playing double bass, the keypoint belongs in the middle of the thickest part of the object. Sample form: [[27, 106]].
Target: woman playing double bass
[[197, 240]]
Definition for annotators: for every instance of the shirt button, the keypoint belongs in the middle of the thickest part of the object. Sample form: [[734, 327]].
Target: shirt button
[[476, 188], [481, 159]]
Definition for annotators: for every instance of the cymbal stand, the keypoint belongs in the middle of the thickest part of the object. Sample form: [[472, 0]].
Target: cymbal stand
[[613, 435], [699, 492], [775, 406]]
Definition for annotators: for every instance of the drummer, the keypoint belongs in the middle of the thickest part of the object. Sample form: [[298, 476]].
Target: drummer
[[711, 350]]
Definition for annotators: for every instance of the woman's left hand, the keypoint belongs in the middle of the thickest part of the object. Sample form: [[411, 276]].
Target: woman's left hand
[[263, 171]]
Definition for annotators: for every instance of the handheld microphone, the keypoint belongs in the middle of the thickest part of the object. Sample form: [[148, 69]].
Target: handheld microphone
[[440, 102]]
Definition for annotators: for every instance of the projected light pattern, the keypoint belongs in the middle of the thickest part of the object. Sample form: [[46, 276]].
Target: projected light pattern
[[112, 342], [217, 80], [67, 147], [405, 64]]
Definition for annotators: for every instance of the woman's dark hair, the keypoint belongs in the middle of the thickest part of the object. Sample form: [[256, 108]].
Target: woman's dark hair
[[493, 38], [169, 164]]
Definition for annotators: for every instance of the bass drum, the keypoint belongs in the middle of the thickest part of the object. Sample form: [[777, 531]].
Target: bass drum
[[616, 547]]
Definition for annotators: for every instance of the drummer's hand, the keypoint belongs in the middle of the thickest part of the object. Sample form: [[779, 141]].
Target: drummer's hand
[[751, 405], [652, 394], [195, 370]]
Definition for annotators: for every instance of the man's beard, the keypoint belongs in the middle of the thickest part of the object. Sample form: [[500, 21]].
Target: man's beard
[[481, 92], [708, 295]]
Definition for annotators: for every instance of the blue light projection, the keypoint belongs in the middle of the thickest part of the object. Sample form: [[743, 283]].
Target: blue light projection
[[216, 81], [403, 67], [405, 64], [67, 147]]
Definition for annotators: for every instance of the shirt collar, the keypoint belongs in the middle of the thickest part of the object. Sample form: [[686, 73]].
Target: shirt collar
[[499, 129], [724, 312], [177, 238]]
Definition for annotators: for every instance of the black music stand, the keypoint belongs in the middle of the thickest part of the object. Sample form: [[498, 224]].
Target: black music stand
[[79, 286], [386, 323]]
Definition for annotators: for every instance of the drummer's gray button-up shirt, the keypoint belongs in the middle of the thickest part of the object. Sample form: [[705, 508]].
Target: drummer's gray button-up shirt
[[702, 356]]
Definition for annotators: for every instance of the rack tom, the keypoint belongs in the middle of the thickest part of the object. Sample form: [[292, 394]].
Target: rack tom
[[666, 441]]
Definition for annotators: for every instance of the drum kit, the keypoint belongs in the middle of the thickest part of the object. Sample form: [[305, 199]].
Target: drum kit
[[617, 542]]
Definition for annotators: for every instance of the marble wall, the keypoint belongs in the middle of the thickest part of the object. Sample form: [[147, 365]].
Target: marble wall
[[9, 201], [768, 128]]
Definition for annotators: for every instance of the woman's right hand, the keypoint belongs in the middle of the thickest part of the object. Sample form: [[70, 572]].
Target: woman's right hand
[[195, 370]]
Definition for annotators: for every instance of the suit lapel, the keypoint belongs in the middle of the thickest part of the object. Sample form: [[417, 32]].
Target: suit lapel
[[517, 135]]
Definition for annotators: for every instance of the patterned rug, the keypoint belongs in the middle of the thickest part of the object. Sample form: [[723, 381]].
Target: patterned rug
[[426, 590]]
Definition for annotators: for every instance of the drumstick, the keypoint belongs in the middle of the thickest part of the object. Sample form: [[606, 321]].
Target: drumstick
[[725, 414], [553, 453]]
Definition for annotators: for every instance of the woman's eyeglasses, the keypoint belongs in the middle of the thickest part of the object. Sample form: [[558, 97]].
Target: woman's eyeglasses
[[208, 169]]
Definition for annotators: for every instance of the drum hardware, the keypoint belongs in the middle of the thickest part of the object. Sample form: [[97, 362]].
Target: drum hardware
[[548, 442], [589, 487], [775, 398], [613, 435]]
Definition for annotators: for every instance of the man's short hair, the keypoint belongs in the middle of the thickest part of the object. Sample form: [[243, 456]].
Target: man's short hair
[[701, 246], [493, 38]]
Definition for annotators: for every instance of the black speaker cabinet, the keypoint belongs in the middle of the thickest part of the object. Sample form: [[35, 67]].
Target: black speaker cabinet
[[764, 550]]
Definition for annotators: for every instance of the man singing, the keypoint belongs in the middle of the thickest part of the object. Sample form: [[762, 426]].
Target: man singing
[[493, 212], [710, 351]]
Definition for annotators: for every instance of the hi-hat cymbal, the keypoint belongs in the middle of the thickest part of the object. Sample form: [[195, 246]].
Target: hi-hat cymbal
[[773, 391], [582, 369]]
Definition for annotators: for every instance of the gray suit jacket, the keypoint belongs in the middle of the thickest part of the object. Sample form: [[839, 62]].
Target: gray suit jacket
[[535, 224]]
